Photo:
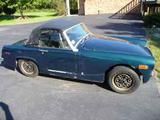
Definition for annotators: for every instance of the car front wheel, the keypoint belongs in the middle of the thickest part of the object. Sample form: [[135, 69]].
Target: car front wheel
[[28, 68], [123, 80]]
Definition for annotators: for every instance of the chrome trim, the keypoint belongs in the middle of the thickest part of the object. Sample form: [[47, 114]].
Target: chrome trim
[[69, 42], [41, 50], [58, 71], [74, 48], [72, 27]]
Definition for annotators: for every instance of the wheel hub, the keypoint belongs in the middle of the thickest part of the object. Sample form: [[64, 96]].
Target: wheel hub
[[28, 67], [123, 81]]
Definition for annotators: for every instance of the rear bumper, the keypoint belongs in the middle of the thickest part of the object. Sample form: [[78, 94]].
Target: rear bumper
[[8, 61]]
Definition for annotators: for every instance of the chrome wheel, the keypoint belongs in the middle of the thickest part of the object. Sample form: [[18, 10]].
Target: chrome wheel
[[122, 81], [28, 68]]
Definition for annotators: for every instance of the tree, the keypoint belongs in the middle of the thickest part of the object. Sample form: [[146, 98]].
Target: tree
[[60, 7], [1, 6], [8, 6], [22, 4], [9, 10]]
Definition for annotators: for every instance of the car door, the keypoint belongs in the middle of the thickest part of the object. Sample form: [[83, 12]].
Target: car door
[[58, 58]]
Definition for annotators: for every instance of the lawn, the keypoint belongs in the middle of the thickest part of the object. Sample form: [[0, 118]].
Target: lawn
[[31, 17], [154, 45]]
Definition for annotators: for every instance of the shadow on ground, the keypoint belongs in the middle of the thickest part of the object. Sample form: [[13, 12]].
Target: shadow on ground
[[130, 28], [12, 17], [127, 17], [102, 85], [7, 17], [5, 113]]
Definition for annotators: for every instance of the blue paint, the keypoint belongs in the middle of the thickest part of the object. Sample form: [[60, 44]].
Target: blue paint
[[135, 40], [95, 56]]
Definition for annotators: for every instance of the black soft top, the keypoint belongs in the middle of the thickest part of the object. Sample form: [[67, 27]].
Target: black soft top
[[57, 24], [60, 24]]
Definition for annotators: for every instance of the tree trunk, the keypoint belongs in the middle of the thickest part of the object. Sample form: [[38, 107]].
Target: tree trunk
[[21, 12]]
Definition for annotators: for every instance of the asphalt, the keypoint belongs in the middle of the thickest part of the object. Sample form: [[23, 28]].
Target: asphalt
[[50, 98]]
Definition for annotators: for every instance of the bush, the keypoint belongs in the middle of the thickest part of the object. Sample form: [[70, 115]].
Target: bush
[[151, 20], [1, 10], [43, 4], [1, 5], [60, 7], [9, 10], [8, 6]]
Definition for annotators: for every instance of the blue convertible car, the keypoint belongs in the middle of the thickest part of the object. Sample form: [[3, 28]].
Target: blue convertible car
[[67, 49]]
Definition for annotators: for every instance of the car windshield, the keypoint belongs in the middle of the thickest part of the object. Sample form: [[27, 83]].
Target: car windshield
[[77, 33]]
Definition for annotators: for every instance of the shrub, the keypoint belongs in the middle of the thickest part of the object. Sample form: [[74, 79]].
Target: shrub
[[151, 20], [1, 10], [9, 10], [43, 4], [57, 5], [74, 6], [1, 5], [60, 7]]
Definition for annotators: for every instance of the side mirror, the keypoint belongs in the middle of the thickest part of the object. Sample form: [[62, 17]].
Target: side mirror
[[73, 42]]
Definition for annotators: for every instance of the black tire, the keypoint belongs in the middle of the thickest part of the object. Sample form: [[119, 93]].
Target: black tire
[[28, 68], [123, 80]]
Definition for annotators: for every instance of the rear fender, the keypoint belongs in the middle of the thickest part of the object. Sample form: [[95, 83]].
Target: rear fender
[[26, 58]]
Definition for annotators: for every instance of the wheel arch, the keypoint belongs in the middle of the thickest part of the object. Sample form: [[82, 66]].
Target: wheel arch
[[27, 58], [125, 65]]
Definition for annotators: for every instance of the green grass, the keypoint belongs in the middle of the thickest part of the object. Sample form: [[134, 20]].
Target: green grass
[[32, 16], [158, 75], [154, 45]]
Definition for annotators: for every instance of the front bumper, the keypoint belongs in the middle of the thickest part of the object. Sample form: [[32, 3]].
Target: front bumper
[[147, 75]]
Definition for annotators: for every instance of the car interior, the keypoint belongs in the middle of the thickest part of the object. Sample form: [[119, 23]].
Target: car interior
[[52, 39]]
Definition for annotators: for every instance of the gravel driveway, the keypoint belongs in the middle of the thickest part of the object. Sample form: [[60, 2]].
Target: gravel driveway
[[48, 98]]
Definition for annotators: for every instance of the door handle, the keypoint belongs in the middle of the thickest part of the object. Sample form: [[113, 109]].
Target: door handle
[[43, 51]]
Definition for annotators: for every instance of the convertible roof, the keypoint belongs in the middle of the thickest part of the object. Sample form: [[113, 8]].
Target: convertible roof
[[60, 24]]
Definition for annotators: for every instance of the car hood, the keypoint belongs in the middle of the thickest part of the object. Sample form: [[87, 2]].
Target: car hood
[[135, 40], [115, 46]]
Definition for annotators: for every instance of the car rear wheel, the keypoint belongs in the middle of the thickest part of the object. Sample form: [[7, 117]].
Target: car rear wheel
[[123, 80], [28, 68]]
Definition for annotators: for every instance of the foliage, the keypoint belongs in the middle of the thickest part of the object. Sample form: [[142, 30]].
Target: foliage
[[8, 6], [32, 16], [60, 7], [151, 20], [9, 10], [74, 6], [154, 45], [43, 4], [22, 4], [1, 10], [1, 5]]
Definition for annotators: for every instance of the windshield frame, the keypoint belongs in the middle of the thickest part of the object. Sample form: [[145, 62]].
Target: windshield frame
[[74, 47]]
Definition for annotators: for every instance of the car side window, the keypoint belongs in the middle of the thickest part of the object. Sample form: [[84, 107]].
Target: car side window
[[52, 39]]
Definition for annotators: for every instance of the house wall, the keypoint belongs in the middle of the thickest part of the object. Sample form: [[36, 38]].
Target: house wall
[[101, 6]]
